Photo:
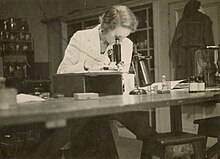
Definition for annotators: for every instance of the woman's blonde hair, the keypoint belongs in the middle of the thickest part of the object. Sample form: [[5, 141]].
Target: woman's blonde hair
[[118, 15]]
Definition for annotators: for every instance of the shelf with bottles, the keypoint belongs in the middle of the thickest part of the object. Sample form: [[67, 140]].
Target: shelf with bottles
[[17, 70], [14, 24], [144, 49], [18, 36], [10, 48], [144, 15], [141, 15], [141, 40]]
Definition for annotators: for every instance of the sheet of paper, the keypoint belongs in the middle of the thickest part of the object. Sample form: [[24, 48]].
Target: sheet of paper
[[22, 98], [171, 85]]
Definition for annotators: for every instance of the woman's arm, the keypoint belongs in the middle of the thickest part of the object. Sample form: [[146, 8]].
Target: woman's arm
[[72, 62]]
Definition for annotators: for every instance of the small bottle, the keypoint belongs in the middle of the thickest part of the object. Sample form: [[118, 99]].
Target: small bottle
[[117, 51], [193, 85], [5, 25], [12, 23], [201, 83], [7, 96], [164, 83]]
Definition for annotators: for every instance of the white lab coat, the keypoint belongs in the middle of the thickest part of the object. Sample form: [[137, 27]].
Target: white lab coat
[[85, 45]]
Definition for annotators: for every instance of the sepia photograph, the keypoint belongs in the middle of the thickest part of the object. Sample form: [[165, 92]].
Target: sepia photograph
[[109, 79]]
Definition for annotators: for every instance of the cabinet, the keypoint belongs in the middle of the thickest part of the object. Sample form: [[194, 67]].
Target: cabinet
[[16, 49], [143, 37]]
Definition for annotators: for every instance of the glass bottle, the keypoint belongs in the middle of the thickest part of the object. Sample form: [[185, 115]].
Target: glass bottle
[[164, 83], [12, 23], [5, 25], [201, 83]]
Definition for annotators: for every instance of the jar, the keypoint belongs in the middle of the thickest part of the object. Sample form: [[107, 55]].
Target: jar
[[193, 86], [201, 83]]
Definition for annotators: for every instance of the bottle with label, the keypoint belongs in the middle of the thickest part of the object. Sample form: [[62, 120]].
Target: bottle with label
[[201, 83], [164, 83], [193, 85]]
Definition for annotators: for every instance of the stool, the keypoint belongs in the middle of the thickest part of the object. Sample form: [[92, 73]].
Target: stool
[[210, 127], [174, 145]]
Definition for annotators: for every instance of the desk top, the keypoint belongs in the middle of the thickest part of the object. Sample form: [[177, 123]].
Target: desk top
[[91, 73], [68, 108]]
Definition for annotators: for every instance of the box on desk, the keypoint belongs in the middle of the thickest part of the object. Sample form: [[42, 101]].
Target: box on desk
[[104, 83]]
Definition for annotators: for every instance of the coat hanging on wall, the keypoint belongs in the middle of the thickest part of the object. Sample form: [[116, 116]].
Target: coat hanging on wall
[[193, 32]]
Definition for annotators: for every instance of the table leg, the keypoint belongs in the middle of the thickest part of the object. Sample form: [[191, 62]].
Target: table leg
[[54, 140], [95, 140], [176, 118]]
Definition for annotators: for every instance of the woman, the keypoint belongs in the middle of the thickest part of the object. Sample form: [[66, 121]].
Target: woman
[[89, 49]]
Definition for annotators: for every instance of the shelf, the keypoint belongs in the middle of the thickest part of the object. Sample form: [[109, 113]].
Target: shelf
[[17, 62], [14, 53], [16, 41], [141, 29], [17, 52], [144, 49], [16, 31]]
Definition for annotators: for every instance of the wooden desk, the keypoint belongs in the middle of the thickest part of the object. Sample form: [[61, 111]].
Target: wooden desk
[[59, 110], [68, 108]]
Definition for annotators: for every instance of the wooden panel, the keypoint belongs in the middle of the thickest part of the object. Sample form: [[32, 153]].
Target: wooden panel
[[68, 85], [1, 67], [104, 84], [54, 47]]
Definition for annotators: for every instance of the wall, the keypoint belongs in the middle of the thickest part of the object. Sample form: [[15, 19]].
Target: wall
[[161, 33], [31, 10], [162, 63], [69, 6]]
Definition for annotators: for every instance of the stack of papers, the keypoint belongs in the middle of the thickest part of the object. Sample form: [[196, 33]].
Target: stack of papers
[[22, 98], [171, 85]]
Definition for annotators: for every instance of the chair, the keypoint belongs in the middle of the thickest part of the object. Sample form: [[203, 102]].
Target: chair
[[174, 145], [210, 127]]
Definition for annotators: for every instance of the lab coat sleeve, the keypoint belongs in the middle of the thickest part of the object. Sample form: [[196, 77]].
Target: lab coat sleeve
[[72, 61]]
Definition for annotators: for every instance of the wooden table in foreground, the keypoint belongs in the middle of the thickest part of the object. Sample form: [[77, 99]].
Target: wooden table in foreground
[[56, 112], [68, 108]]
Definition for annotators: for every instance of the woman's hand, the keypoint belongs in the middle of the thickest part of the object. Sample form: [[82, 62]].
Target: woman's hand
[[104, 59], [95, 64]]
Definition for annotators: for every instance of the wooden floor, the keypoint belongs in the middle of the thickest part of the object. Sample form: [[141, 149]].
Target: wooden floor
[[129, 148], [127, 144]]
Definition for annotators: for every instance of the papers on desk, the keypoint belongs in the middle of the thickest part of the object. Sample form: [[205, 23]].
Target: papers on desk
[[98, 72], [171, 85], [22, 98]]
